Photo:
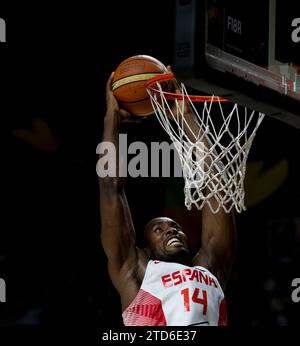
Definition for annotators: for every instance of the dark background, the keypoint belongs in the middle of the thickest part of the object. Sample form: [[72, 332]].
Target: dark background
[[54, 68]]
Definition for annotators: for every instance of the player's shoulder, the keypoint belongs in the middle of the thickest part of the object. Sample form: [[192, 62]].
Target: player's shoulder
[[202, 269]]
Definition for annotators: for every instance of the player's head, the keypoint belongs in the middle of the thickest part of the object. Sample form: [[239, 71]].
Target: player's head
[[166, 241]]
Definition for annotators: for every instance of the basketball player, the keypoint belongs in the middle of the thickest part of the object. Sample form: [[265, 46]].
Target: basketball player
[[161, 285]]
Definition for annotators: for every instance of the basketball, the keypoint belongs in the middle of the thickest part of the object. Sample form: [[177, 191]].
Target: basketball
[[129, 80]]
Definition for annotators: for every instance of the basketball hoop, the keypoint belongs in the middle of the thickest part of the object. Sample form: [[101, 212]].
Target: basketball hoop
[[214, 157]]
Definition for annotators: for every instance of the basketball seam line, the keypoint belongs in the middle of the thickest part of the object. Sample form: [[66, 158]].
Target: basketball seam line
[[121, 82]]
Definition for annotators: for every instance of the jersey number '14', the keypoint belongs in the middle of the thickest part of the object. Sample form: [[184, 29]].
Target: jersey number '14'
[[195, 298]]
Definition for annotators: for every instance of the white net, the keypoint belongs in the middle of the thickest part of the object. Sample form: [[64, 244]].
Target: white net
[[213, 147]]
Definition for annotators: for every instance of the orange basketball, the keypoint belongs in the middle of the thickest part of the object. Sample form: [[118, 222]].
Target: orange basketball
[[129, 83]]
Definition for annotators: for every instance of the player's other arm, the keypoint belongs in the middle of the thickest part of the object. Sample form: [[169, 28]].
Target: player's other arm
[[218, 242], [117, 230], [218, 237]]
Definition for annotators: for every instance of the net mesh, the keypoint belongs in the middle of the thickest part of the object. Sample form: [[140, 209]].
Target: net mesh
[[213, 154]]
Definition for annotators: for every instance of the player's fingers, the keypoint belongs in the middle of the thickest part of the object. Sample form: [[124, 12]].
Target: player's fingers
[[177, 90], [109, 82]]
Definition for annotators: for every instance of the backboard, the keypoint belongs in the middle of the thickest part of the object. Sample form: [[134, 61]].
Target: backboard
[[246, 51]]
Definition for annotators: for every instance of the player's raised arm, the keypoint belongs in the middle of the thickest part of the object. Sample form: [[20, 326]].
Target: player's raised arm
[[218, 237], [218, 241], [117, 230]]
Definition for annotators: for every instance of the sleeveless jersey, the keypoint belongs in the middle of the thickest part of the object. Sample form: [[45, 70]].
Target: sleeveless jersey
[[173, 294]]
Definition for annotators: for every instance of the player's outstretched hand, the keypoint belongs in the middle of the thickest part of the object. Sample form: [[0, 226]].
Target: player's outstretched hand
[[186, 110]]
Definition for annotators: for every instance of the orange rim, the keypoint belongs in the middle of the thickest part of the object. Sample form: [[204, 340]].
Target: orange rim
[[149, 84]]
